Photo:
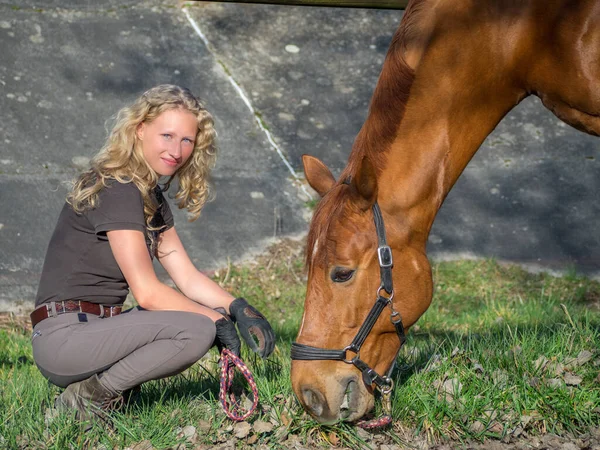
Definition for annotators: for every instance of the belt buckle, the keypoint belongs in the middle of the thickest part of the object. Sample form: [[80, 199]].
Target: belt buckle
[[51, 309], [102, 316]]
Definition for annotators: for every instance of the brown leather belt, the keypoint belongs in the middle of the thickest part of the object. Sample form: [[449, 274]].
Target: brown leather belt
[[54, 309]]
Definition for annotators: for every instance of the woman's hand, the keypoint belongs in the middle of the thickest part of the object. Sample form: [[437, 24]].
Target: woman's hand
[[252, 324], [227, 336]]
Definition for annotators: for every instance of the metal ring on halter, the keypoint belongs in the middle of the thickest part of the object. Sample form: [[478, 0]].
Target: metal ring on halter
[[381, 288], [350, 361], [390, 386]]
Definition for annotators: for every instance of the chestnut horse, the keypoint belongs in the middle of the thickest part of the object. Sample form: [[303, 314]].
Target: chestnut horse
[[454, 69]]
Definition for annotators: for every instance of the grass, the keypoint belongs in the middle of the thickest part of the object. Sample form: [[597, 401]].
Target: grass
[[496, 355]]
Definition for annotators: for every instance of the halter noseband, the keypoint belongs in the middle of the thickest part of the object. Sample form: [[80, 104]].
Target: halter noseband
[[383, 383]]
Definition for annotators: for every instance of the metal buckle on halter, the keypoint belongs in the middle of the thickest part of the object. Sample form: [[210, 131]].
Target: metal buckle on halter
[[385, 256]]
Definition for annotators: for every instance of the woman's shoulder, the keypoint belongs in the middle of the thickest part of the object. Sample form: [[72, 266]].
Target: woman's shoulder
[[117, 203], [119, 195], [116, 188]]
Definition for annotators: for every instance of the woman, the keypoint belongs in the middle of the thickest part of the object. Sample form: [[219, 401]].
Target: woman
[[114, 222]]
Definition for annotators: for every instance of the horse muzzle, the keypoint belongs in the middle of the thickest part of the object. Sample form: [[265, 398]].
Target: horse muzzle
[[340, 396]]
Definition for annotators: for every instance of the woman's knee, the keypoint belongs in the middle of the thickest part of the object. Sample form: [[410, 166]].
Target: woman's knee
[[199, 336]]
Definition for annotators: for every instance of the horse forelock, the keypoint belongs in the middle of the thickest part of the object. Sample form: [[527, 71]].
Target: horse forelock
[[329, 207], [340, 205]]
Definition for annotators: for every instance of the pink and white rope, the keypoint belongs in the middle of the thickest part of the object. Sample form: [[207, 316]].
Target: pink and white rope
[[230, 404]]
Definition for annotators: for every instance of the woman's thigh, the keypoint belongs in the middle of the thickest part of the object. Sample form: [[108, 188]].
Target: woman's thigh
[[86, 347]]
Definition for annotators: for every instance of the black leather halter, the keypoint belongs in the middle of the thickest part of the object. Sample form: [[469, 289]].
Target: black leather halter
[[308, 353]]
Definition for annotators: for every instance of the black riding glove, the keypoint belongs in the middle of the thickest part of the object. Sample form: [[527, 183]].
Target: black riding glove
[[227, 336], [252, 324]]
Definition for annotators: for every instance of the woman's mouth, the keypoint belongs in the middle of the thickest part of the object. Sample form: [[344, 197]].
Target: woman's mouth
[[169, 162]]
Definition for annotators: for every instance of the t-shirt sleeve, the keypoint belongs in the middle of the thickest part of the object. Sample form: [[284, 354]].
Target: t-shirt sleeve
[[120, 207]]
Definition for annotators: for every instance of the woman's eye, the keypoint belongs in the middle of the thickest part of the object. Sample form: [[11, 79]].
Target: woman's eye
[[341, 275], [188, 141], [167, 136]]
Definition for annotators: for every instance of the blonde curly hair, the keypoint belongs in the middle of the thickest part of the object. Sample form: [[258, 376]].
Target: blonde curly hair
[[121, 157]]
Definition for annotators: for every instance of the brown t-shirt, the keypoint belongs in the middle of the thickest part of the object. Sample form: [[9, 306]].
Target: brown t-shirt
[[79, 263]]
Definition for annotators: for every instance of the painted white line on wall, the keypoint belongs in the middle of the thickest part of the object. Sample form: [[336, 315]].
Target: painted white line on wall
[[246, 100]]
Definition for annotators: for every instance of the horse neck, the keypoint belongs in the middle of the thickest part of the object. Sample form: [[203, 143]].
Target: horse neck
[[440, 93], [437, 138], [444, 122]]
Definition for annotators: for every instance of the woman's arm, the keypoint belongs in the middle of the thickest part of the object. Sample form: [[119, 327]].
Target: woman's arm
[[130, 252], [193, 283]]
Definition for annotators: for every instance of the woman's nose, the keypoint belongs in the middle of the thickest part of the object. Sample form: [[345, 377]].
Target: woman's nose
[[175, 150]]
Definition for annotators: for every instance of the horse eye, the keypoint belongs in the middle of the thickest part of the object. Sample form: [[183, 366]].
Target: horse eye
[[341, 275]]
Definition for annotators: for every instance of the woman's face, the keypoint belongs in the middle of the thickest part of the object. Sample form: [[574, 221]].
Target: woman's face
[[168, 141]]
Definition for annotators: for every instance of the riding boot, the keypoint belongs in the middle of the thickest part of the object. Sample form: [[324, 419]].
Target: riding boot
[[89, 399]]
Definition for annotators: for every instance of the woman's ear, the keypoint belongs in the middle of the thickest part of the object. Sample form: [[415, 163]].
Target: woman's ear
[[139, 131]]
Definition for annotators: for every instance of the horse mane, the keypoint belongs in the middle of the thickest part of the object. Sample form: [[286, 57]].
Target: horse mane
[[378, 132]]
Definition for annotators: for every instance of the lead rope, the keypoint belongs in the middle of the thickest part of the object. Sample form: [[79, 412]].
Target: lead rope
[[386, 419], [230, 404]]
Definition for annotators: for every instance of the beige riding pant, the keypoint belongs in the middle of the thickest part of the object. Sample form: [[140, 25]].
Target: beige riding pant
[[128, 349]]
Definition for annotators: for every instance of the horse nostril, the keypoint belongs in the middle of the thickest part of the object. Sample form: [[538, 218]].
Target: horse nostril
[[313, 401]]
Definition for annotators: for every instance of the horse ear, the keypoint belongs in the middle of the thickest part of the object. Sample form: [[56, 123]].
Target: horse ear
[[317, 174], [365, 182]]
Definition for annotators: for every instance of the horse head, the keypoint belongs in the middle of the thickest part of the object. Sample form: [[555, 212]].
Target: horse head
[[344, 282]]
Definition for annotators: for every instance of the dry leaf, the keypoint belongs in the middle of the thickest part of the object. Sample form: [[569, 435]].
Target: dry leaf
[[500, 377], [572, 379], [333, 439], [143, 445], [554, 383], [241, 429], [491, 414], [189, 433], [252, 439], [364, 434], [452, 388], [476, 427], [556, 369], [525, 420], [496, 427], [285, 419], [261, 427], [204, 425], [540, 363], [584, 357]]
